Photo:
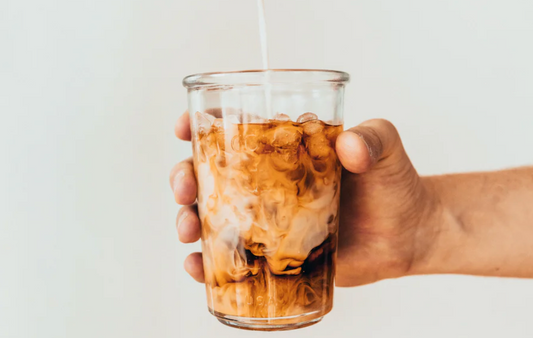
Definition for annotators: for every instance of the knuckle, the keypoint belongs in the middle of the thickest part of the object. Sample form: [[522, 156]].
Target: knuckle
[[388, 127], [384, 122], [385, 136]]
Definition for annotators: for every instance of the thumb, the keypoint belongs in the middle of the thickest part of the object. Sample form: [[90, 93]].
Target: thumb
[[372, 143]]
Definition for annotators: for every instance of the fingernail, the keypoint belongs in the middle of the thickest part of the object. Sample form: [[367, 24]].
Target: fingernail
[[370, 152], [182, 218], [178, 178]]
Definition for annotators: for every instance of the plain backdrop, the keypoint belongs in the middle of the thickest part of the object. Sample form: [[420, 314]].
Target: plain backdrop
[[90, 91]]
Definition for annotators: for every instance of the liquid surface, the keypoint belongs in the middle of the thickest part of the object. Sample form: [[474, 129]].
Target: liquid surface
[[268, 202]]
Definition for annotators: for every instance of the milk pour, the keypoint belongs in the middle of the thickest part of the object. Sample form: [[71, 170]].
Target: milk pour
[[264, 56], [262, 32], [268, 107]]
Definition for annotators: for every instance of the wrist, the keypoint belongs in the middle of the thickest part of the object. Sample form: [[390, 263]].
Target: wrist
[[439, 234]]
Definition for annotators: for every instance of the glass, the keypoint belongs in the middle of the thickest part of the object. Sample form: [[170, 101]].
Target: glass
[[268, 192]]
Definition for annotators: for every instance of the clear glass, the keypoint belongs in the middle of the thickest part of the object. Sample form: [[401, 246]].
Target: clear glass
[[268, 192]]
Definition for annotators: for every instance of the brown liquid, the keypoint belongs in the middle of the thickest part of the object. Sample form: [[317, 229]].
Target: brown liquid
[[268, 202]]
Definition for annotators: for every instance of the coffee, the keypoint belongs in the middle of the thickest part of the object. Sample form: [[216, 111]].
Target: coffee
[[268, 202]]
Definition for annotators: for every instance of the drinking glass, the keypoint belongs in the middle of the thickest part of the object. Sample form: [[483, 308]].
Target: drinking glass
[[268, 192]]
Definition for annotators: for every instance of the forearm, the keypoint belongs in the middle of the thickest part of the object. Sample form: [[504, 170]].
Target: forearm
[[484, 224]]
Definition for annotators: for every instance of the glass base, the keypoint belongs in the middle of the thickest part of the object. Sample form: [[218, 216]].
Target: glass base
[[270, 324]]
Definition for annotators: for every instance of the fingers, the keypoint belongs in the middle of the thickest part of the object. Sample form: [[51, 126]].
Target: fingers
[[182, 179], [183, 182], [360, 148], [188, 224], [182, 129], [194, 266]]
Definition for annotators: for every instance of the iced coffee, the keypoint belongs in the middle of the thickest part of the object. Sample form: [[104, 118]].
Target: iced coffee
[[268, 202]]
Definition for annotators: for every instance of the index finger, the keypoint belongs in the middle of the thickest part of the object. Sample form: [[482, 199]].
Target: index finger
[[182, 129]]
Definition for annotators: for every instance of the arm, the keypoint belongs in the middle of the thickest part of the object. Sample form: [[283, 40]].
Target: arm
[[395, 223], [486, 225]]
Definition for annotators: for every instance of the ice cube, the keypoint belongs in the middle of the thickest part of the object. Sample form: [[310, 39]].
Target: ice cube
[[203, 121], [284, 159], [252, 118], [234, 119], [210, 145], [236, 143], [219, 123], [318, 146], [258, 120], [281, 117], [306, 117], [220, 138], [313, 127], [297, 174], [286, 136], [215, 112], [252, 142], [332, 133]]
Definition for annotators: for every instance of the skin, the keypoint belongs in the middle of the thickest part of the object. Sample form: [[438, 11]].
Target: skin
[[395, 223]]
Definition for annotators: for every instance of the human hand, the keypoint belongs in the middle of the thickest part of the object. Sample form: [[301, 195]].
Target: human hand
[[389, 216]]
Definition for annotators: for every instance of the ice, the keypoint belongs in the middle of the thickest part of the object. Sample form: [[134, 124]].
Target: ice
[[215, 112], [219, 123], [313, 127], [297, 174], [258, 120], [285, 136], [252, 118], [234, 119], [210, 145], [252, 142], [320, 167], [251, 137], [236, 143], [332, 133], [284, 159], [268, 204], [209, 117], [318, 146], [232, 113], [306, 117], [257, 130], [203, 121], [281, 117]]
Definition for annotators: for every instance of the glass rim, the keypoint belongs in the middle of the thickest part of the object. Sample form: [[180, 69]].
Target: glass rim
[[257, 77]]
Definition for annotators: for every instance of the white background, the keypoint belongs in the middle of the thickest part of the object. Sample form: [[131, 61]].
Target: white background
[[90, 90]]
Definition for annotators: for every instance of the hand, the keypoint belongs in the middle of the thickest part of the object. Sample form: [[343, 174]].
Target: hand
[[389, 217]]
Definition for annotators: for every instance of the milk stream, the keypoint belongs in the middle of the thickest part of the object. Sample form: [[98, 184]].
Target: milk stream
[[264, 56], [262, 32], [268, 103]]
